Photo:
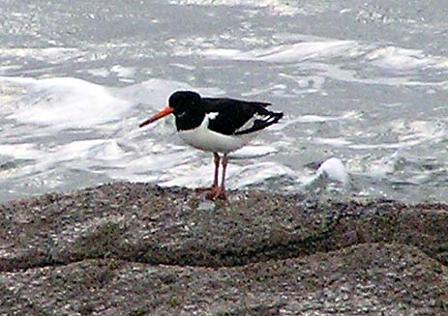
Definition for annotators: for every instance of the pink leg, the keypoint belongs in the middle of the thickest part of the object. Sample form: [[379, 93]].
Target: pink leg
[[215, 188], [216, 160], [221, 192]]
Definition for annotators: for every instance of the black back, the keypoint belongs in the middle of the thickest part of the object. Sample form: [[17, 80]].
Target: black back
[[232, 117], [234, 114]]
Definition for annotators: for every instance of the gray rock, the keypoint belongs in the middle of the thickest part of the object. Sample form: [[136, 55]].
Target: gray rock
[[138, 249]]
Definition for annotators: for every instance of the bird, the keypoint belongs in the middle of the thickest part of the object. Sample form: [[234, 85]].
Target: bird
[[217, 125]]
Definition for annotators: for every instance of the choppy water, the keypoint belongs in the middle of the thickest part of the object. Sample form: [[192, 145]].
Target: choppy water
[[364, 82]]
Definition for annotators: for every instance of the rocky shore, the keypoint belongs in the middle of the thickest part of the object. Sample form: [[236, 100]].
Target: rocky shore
[[137, 249]]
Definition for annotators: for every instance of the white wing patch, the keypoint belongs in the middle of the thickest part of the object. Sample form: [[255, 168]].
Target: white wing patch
[[211, 115], [257, 117]]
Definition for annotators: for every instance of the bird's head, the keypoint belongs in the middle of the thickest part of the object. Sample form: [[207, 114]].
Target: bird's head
[[178, 103]]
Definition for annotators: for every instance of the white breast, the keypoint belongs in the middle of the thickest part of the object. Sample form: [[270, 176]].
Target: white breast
[[205, 139]]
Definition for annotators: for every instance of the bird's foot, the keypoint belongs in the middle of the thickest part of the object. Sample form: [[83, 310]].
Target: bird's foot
[[216, 193], [221, 195]]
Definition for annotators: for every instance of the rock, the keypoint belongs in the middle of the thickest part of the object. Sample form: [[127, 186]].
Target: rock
[[138, 249]]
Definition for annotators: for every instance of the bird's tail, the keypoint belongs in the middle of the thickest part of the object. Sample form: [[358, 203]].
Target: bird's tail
[[260, 121]]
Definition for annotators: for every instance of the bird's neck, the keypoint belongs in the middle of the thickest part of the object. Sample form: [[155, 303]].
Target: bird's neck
[[189, 120]]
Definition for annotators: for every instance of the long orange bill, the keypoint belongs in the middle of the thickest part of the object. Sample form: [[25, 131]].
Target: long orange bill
[[166, 111]]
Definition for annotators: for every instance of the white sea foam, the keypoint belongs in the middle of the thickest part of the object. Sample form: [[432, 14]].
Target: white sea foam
[[315, 55], [291, 53], [396, 58], [409, 134], [374, 167], [259, 173], [20, 151], [127, 72], [385, 57], [276, 6], [309, 50], [314, 118], [99, 72], [327, 57], [66, 103], [52, 55], [337, 142]]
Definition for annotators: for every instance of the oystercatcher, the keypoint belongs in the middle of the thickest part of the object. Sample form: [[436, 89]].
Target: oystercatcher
[[218, 125]]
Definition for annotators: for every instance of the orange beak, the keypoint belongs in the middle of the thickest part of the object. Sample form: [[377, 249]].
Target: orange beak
[[166, 111]]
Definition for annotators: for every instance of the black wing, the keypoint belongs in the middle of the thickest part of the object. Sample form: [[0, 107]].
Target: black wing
[[235, 117]]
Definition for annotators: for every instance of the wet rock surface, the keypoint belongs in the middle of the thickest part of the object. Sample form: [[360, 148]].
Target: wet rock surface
[[137, 249]]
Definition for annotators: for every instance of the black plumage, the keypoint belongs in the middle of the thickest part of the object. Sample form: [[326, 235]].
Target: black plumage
[[232, 117]]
